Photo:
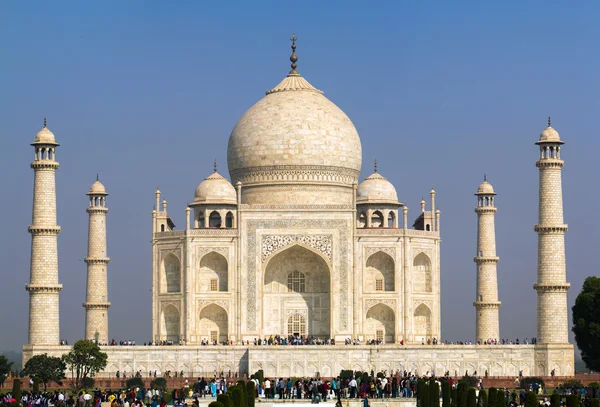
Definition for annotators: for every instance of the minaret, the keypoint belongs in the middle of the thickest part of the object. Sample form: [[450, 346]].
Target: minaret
[[551, 286], [43, 287], [96, 299], [486, 303]]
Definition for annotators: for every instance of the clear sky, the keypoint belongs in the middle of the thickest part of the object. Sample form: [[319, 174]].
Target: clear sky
[[145, 93]]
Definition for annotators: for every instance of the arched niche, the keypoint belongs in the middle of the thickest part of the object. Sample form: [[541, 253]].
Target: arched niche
[[170, 324], [381, 323], [422, 275], [213, 323], [213, 266], [422, 323], [379, 273], [170, 274]]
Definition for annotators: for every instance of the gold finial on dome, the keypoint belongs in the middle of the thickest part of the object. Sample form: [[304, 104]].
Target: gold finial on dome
[[375, 165], [294, 57], [44, 121], [484, 178], [98, 177], [549, 122], [215, 165]]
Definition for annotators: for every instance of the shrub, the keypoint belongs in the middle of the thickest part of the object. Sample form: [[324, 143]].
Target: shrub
[[470, 380], [236, 396], [454, 397], [595, 403], [594, 385], [420, 392], [471, 398], [215, 404], [572, 400], [500, 399], [36, 385], [446, 393], [571, 384], [526, 381], [346, 374], [134, 382], [463, 390], [16, 390], [160, 383], [492, 396], [483, 399], [531, 399], [87, 383], [259, 375], [250, 393], [555, 400], [434, 393], [225, 400]]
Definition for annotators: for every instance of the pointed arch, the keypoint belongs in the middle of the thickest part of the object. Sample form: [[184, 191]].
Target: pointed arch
[[170, 324], [214, 220], [379, 272], [422, 275], [422, 323], [213, 266], [380, 323], [229, 221], [391, 220], [362, 220], [213, 323], [170, 274], [377, 220]]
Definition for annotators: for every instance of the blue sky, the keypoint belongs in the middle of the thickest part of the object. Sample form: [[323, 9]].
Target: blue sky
[[146, 93]]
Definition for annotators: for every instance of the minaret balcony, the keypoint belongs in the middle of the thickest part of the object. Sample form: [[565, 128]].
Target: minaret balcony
[[486, 259], [48, 164], [44, 288], [487, 304], [551, 229], [44, 230], [552, 287]]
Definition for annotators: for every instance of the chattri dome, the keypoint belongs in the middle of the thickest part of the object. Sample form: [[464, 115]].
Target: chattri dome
[[485, 188], [215, 189], [97, 189], [376, 189], [295, 135], [549, 135], [44, 136]]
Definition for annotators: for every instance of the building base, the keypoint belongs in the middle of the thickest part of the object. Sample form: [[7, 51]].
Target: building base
[[328, 360]]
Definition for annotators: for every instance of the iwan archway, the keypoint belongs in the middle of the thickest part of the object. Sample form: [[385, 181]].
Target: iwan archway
[[297, 294]]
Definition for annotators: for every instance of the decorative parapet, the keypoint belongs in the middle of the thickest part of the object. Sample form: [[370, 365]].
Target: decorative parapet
[[554, 287], [551, 229], [44, 288]]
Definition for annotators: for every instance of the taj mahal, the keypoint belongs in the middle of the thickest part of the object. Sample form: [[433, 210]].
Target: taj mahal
[[295, 244]]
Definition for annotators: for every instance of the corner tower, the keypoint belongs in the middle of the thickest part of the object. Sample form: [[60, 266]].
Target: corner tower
[[43, 287], [486, 303], [551, 286], [96, 300]]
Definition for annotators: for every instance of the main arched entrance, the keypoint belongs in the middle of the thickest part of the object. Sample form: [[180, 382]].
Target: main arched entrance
[[297, 294]]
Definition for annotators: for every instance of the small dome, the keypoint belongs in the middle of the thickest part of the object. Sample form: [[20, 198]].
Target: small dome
[[215, 189], [376, 189], [485, 188], [97, 189], [44, 136], [549, 135]]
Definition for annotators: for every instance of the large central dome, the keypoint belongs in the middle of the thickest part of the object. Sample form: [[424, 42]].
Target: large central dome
[[294, 146]]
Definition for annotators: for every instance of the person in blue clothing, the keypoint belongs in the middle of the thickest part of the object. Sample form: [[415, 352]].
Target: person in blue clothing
[[366, 401]]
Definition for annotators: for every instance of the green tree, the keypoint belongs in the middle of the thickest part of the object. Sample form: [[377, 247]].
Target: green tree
[[216, 404], [446, 393], [135, 382], [225, 400], [434, 393], [16, 390], [160, 383], [595, 403], [531, 399], [572, 400], [86, 359], [5, 367], [250, 393], [236, 395], [46, 369], [492, 397], [500, 399], [483, 399], [420, 392], [463, 390], [471, 398], [36, 385], [454, 397], [555, 400], [586, 322]]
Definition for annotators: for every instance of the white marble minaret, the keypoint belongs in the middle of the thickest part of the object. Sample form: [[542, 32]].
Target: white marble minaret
[[551, 286], [96, 300], [486, 303], [43, 287]]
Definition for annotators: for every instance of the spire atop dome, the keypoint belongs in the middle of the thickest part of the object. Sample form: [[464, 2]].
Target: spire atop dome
[[549, 122], [215, 166], [44, 121], [375, 165], [294, 57]]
